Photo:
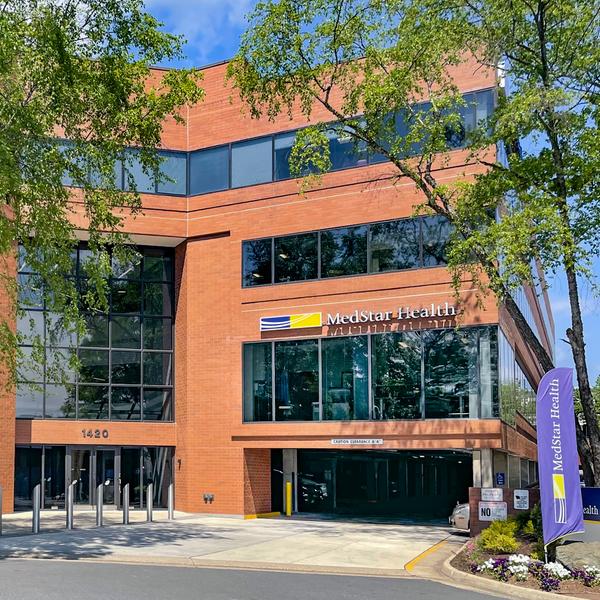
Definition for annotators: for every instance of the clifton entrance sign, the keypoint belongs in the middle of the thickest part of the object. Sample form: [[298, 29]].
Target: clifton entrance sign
[[558, 460]]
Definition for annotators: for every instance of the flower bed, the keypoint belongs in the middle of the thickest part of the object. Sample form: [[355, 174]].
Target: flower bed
[[522, 570]]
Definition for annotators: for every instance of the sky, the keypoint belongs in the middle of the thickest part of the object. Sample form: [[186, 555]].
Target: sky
[[212, 29]]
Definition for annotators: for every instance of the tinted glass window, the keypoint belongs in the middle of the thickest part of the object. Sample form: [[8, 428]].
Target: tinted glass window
[[157, 299], [158, 265], [209, 170], [451, 375], [126, 296], [97, 331], [258, 391], [436, 234], [157, 405], [283, 146], [60, 402], [297, 381], [296, 257], [173, 167], [344, 152], [257, 262], [94, 366], [125, 367], [136, 178], [344, 251], [158, 369], [125, 404], [397, 376], [126, 332], [158, 333], [394, 245], [252, 162], [345, 379], [30, 401], [92, 402]]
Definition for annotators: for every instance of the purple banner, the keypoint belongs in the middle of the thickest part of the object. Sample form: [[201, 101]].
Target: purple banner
[[560, 491]]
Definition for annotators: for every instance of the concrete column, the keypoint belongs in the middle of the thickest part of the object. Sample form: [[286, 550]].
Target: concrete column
[[290, 472], [500, 466], [487, 467], [476, 468]]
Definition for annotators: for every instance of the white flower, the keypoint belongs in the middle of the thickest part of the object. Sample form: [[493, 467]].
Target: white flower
[[557, 570], [520, 571], [519, 559], [488, 565]]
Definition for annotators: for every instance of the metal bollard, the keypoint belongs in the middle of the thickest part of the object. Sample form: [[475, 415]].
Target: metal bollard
[[170, 503], [69, 504], [37, 497], [288, 498], [126, 504], [149, 502], [99, 505]]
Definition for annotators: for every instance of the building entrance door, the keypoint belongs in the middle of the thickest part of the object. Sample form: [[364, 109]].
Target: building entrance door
[[81, 469], [105, 474]]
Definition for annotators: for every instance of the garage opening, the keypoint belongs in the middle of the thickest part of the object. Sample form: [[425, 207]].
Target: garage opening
[[420, 484]]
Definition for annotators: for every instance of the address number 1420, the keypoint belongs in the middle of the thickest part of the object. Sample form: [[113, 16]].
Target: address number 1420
[[94, 433]]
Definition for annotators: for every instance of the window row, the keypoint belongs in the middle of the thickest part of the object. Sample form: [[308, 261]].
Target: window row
[[95, 402], [266, 159], [97, 366], [374, 248], [433, 374], [517, 394], [142, 263]]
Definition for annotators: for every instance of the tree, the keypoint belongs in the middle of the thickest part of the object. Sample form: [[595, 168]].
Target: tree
[[368, 64], [80, 70]]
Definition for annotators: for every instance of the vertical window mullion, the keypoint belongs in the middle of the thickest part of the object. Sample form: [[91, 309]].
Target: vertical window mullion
[[370, 374], [319, 255], [272, 260], [273, 403], [320, 358], [423, 399]]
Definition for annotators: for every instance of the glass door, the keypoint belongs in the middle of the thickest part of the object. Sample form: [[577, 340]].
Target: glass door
[[81, 469], [105, 473]]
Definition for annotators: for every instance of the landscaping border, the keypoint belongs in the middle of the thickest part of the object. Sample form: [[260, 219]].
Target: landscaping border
[[489, 585]]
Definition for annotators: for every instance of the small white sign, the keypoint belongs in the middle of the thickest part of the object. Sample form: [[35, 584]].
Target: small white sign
[[357, 441], [491, 494], [492, 511], [521, 499]]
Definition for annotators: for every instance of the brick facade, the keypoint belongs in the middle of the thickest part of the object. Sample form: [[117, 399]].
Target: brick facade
[[215, 452]]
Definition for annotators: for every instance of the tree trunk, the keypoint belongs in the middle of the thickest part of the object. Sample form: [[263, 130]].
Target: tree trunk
[[576, 340]]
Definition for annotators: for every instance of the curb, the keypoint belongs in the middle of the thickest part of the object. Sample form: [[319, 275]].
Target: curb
[[489, 585], [200, 563]]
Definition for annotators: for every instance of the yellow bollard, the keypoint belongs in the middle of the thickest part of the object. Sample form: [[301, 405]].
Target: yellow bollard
[[288, 498]]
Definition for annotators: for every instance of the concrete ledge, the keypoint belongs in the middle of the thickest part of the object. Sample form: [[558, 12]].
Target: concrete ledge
[[497, 587]]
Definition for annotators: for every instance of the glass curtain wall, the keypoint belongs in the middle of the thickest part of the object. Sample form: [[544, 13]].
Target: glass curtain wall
[[125, 356], [433, 374], [358, 250]]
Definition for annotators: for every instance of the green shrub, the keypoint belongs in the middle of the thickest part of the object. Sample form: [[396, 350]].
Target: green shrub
[[500, 537], [522, 518]]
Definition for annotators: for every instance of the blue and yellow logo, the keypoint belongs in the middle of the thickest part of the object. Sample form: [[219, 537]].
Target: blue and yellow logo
[[560, 498], [290, 322]]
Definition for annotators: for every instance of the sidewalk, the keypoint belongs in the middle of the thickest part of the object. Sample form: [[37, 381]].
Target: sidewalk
[[192, 540]]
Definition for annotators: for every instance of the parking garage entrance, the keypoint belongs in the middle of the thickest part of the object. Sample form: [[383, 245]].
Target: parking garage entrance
[[398, 484]]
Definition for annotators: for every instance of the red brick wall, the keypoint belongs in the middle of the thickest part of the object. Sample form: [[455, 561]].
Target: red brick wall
[[7, 406], [257, 480]]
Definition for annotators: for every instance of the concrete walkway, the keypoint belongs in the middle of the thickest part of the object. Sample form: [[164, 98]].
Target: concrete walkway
[[191, 540]]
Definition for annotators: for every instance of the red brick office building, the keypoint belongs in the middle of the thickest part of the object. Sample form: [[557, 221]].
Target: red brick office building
[[361, 392]]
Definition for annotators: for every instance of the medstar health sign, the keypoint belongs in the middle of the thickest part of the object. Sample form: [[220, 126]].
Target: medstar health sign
[[560, 491]]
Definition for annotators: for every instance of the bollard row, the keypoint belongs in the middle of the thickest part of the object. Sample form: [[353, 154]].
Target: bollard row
[[69, 505]]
